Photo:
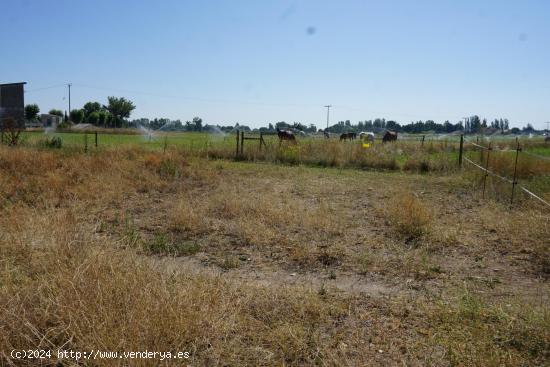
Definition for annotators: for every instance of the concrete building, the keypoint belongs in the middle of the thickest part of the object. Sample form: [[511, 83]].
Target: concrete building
[[12, 103]]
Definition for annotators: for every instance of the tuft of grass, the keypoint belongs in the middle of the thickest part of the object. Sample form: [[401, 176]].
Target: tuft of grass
[[409, 216], [161, 245]]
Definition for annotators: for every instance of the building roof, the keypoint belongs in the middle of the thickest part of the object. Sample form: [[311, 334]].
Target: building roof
[[1, 85]]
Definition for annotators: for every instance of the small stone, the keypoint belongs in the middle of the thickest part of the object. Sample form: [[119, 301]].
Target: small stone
[[380, 351]]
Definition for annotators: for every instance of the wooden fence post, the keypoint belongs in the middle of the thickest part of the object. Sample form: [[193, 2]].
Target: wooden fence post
[[486, 169], [242, 142], [514, 182], [461, 150], [261, 139]]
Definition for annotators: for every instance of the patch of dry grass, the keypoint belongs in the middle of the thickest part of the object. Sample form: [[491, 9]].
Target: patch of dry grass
[[409, 215], [81, 234]]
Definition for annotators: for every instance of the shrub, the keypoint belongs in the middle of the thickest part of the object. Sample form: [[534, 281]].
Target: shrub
[[53, 143]]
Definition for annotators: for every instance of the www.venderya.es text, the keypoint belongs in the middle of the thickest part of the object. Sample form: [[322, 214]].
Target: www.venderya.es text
[[95, 354]]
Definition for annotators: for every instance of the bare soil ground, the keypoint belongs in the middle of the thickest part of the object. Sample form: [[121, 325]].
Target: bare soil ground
[[260, 264]]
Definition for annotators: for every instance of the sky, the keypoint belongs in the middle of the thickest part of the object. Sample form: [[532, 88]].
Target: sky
[[256, 62]]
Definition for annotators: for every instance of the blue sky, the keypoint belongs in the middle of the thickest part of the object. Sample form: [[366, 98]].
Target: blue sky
[[255, 62]]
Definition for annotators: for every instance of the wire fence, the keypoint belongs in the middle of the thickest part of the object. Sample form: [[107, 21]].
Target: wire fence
[[489, 172]]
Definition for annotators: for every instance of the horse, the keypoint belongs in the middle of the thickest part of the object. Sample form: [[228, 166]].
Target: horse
[[547, 139], [285, 135], [367, 135], [326, 134], [348, 136], [389, 136]]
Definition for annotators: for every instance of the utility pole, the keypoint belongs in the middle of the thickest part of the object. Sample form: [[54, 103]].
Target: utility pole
[[547, 126], [328, 112], [69, 85]]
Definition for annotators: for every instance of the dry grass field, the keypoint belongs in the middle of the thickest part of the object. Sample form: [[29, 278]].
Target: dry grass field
[[243, 263]]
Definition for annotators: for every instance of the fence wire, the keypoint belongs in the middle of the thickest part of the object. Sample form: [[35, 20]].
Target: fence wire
[[523, 188]]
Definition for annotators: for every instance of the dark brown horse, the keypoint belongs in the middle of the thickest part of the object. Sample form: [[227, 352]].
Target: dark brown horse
[[286, 135], [547, 139], [326, 134], [389, 136], [348, 136]]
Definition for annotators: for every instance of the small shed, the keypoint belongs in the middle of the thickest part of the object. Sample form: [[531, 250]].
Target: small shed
[[49, 120], [12, 103]]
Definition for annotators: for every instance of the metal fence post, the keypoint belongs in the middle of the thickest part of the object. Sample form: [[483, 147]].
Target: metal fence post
[[237, 149], [96, 139], [486, 169], [86, 142], [461, 150], [514, 182]]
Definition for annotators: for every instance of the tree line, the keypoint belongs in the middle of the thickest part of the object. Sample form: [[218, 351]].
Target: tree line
[[116, 112]]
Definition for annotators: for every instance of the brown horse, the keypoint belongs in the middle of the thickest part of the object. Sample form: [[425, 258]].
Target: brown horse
[[389, 136], [348, 136], [285, 135], [547, 139], [326, 134]]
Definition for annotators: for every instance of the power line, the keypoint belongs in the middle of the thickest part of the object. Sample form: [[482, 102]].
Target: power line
[[44, 88], [228, 101]]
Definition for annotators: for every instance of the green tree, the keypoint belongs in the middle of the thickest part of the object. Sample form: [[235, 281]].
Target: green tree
[[103, 118], [93, 118], [120, 109], [55, 112], [197, 121], [31, 111], [77, 116], [91, 107]]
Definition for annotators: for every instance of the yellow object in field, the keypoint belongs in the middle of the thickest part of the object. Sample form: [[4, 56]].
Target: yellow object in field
[[366, 145]]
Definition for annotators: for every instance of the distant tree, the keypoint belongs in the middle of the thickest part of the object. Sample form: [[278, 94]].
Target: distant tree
[[120, 109], [103, 118], [282, 125], [31, 111], [77, 116], [392, 125], [197, 122], [299, 126], [528, 129], [91, 107], [93, 118], [55, 112]]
